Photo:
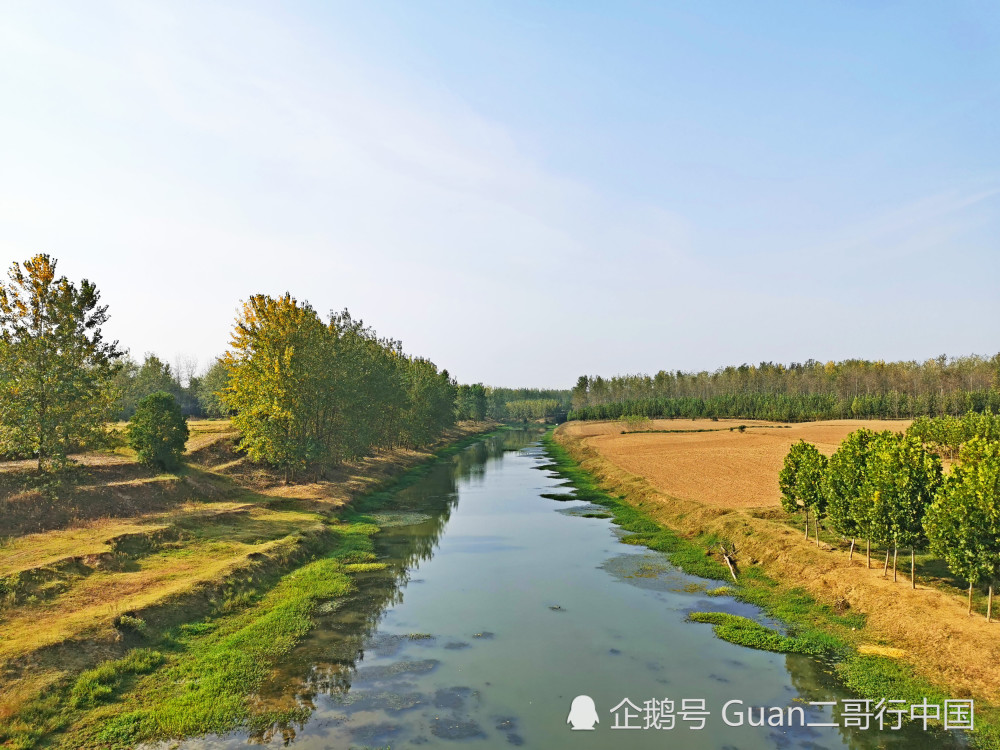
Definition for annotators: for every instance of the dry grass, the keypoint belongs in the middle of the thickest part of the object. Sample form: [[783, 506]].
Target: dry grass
[[720, 468], [43, 550], [126, 540], [928, 627]]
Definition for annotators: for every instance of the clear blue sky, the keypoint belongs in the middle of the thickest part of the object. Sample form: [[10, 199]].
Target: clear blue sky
[[522, 191]]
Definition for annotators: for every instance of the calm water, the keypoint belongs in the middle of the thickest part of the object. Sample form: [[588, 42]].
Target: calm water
[[500, 606]]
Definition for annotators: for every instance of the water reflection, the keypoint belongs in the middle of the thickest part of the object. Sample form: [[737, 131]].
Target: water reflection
[[326, 663]]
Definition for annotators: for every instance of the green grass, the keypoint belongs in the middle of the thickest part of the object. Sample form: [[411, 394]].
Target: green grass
[[746, 632], [196, 677], [97, 685], [204, 688]]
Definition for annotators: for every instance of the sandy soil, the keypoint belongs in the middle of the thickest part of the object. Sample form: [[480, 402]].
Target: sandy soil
[[684, 482], [721, 468]]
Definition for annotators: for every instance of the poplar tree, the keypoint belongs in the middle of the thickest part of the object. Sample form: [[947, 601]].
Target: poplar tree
[[905, 478], [276, 383], [845, 485], [963, 523], [56, 369], [801, 482]]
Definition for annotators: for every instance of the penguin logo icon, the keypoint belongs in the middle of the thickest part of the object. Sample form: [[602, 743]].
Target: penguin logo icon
[[583, 713]]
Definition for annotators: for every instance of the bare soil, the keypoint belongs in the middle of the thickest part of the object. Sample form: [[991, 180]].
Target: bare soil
[[722, 468]]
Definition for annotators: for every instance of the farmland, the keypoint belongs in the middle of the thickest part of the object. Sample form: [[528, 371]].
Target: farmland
[[676, 478], [713, 462]]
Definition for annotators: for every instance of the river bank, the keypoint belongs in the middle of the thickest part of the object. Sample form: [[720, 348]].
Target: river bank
[[881, 637], [205, 577]]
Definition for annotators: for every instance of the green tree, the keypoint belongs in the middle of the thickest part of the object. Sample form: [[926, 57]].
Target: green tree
[[801, 482], [157, 431], [138, 381], [524, 410], [56, 370], [277, 382], [845, 487], [209, 390], [904, 478], [471, 402], [963, 522]]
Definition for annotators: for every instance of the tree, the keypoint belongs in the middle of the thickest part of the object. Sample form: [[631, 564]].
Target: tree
[[963, 523], [56, 370], [845, 484], [801, 482], [904, 477], [524, 410], [471, 402], [138, 381], [157, 431], [209, 389], [308, 394], [277, 382]]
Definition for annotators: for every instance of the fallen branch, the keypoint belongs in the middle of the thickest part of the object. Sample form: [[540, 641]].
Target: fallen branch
[[729, 560]]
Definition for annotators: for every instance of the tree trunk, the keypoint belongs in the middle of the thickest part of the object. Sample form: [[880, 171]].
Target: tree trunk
[[895, 551], [868, 551], [807, 523], [913, 570], [851, 558], [989, 606], [885, 568], [970, 599]]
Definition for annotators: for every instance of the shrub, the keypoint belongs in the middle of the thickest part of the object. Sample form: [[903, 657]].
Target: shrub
[[157, 431], [129, 622]]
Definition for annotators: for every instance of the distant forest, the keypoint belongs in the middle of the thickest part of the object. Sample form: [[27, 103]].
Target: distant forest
[[852, 389]]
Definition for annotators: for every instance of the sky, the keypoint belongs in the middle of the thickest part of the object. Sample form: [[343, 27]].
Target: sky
[[523, 192]]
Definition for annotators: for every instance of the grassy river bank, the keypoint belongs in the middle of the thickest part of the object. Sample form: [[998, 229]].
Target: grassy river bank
[[836, 634], [163, 623]]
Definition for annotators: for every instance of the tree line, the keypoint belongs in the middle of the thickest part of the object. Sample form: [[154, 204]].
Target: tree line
[[533, 410], [948, 434], [196, 395], [477, 401], [303, 391], [306, 392], [889, 489], [799, 391]]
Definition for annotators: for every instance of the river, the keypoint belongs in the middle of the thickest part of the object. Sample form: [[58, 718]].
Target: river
[[500, 606]]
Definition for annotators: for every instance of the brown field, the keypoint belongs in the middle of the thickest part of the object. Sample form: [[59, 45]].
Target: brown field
[[722, 468], [716, 483]]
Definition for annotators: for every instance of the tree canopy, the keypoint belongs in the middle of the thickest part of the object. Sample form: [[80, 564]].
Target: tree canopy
[[56, 369]]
